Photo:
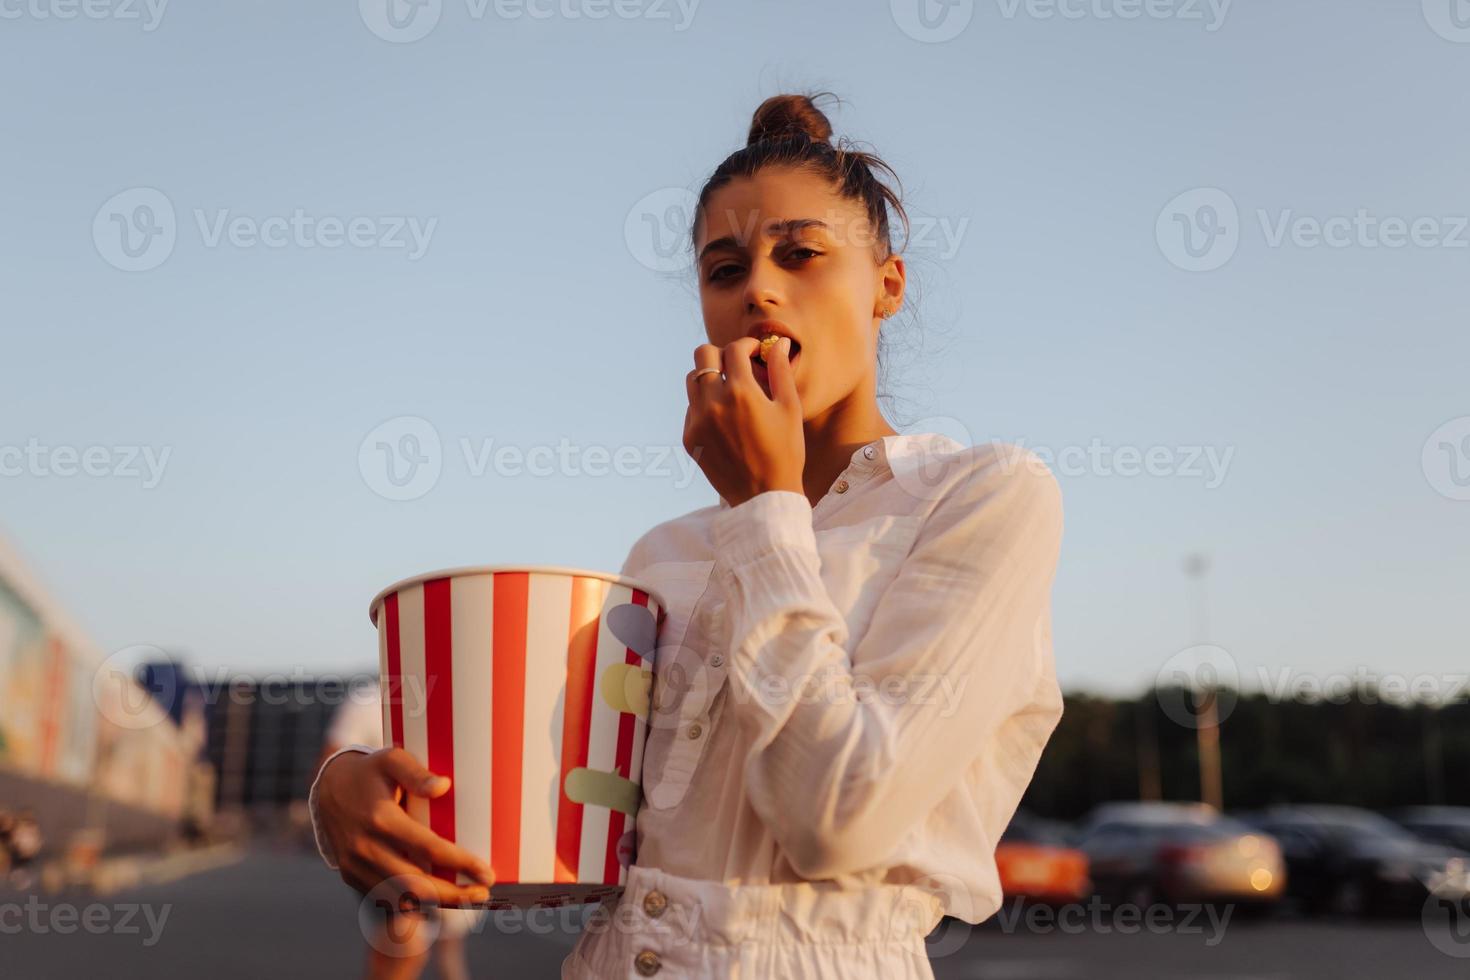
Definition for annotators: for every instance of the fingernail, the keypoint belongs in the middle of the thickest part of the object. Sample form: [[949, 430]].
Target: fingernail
[[479, 894], [432, 783], [786, 345]]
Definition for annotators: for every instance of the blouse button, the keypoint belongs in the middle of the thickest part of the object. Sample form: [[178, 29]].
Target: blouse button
[[647, 963], [695, 730], [841, 486], [869, 452], [717, 661], [654, 904]]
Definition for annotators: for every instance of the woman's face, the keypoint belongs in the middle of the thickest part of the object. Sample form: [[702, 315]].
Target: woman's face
[[782, 252]]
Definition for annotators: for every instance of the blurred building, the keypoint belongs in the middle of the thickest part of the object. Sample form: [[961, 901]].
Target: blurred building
[[262, 735], [265, 738], [82, 745]]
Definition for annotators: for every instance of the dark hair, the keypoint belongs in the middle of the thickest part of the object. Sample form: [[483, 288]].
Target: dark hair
[[790, 131]]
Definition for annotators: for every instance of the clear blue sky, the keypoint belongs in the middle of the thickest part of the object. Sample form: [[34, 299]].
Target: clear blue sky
[[1060, 317]]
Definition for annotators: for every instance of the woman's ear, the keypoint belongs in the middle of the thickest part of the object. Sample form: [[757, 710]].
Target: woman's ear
[[891, 279]]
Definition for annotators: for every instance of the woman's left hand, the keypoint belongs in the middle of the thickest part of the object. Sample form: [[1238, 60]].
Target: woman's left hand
[[745, 442]]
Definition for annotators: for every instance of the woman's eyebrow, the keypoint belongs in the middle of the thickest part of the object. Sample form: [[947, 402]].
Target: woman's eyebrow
[[794, 224]]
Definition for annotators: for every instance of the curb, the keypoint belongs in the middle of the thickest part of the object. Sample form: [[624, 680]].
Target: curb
[[135, 871]]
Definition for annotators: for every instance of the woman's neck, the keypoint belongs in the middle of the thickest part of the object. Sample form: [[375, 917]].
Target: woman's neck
[[833, 436]]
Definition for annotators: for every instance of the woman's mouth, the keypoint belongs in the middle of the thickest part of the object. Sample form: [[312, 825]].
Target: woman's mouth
[[762, 370], [768, 345]]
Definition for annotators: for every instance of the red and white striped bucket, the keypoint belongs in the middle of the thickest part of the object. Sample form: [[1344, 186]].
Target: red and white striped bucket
[[528, 686]]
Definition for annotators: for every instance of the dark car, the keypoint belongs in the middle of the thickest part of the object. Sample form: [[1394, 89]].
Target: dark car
[[1448, 825], [1037, 861], [1145, 853], [1351, 861]]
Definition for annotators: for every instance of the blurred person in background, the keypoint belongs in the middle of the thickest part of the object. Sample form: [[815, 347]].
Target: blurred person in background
[[7, 824], [21, 842], [400, 949]]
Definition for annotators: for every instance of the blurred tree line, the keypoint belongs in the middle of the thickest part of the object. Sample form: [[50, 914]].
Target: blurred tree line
[[1363, 751]]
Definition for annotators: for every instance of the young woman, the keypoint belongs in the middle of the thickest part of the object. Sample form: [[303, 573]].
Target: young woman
[[855, 679]]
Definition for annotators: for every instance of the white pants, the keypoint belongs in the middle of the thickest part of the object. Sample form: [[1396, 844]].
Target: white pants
[[672, 927]]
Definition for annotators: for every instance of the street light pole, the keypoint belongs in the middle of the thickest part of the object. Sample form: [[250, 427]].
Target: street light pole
[[1207, 731]]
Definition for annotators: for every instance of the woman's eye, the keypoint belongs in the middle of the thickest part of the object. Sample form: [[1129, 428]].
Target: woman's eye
[[721, 272]]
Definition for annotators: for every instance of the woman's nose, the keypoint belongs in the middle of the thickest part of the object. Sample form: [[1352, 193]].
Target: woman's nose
[[762, 286]]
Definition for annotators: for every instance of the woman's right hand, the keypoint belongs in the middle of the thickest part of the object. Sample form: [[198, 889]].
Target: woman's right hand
[[374, 839]]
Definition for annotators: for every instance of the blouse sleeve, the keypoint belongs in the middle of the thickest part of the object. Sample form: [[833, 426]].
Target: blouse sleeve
[[854, 746], [324, 843]]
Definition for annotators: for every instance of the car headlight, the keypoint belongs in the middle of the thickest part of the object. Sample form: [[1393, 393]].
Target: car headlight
[[1451, 881]]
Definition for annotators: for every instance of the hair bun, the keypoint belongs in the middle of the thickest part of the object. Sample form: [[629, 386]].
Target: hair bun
[[788, 116]]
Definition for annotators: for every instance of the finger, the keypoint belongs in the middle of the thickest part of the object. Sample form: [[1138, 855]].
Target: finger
[[401, 767], [400, 830], [701, 378], [783, 375], [388, 864], [705, 356], [688, 430], [736, 357]]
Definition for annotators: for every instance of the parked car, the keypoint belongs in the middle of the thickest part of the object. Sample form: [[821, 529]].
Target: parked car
[[1037, 862], [1352, 861], [1448, 825], [1179, 853]]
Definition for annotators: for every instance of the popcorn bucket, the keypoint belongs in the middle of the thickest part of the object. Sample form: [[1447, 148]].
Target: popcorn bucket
[[529, 687]]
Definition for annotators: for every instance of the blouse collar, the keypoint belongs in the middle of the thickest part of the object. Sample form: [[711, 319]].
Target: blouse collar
[[883, 452]]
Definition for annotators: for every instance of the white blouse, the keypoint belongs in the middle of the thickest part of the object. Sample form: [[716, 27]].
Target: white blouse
[[860, 690], [857, 691]]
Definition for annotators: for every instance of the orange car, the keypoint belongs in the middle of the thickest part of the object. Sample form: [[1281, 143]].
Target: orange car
[[1036, 862]]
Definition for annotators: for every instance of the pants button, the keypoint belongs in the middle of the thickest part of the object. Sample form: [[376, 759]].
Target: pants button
[[647, 963], [654, 904]]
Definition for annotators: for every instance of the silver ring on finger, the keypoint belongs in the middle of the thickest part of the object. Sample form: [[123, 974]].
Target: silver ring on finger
[[702, 372]]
